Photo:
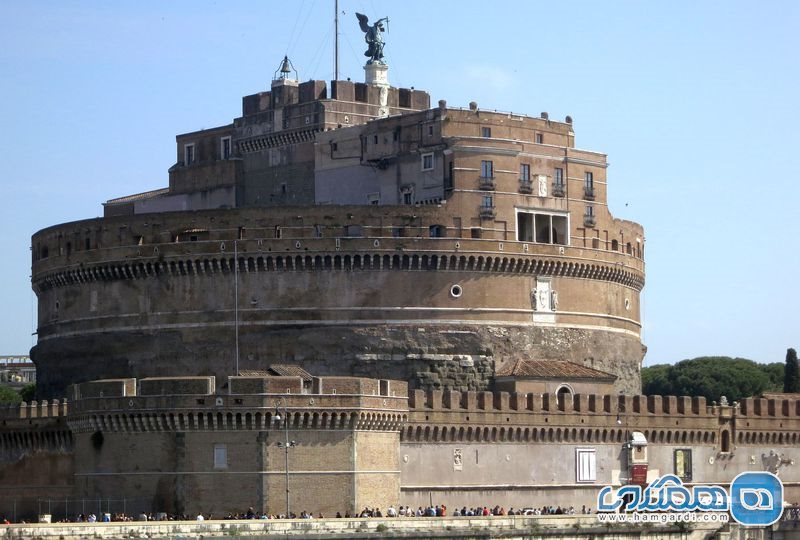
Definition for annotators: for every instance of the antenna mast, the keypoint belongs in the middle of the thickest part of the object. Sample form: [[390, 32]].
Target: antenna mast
[[336, 40]]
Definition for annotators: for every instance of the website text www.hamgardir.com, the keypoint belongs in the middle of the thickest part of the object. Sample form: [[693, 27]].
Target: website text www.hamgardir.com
[[667, 517]]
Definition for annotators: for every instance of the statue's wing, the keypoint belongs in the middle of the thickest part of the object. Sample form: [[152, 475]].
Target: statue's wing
[[363, 22]]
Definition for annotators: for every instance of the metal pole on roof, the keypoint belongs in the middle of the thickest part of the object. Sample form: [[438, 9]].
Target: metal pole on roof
[[336, 40], [236, 301]]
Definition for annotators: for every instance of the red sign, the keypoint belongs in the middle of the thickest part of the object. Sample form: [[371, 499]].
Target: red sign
[[639, 474]]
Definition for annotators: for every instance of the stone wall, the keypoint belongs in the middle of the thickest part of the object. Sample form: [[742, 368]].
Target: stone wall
[[510, 527], [314, 292], [36, 449]]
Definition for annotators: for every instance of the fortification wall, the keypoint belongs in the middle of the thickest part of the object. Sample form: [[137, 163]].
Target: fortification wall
[[36, 451], [182, 445], [146, 300], [471, 448]]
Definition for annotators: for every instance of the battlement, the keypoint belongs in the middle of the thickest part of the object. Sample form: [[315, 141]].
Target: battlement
[[236, 385], [448, 400], [34, 410], [551, 403], [436, 416]]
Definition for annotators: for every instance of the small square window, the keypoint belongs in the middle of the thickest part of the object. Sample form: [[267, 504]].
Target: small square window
[[427, 162], [374, 198], [220, 456], [486, 132]]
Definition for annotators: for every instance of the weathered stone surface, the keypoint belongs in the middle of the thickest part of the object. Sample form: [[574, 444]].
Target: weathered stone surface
[[434, 358]]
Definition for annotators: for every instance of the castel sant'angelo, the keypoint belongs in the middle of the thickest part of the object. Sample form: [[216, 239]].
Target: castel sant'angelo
[[432, 302]]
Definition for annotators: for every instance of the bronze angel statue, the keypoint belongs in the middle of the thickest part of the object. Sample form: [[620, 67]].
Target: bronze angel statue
[[373, 35]]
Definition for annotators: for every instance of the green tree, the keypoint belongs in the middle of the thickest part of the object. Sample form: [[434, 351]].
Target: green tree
[[655, 380], [28, 392], [774, 372], [709, 376], [9, 395], [791, 373]]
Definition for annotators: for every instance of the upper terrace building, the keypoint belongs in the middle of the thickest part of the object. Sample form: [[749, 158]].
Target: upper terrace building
[[350, 229]]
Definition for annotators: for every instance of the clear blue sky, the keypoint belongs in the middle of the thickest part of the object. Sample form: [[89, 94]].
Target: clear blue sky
[[696, 104]]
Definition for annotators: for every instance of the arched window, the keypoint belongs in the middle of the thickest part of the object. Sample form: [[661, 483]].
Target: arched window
[[725, 445], [563, 394], [614, 245]]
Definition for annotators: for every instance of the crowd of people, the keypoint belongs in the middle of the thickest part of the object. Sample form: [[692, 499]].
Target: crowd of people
[[791, 513]]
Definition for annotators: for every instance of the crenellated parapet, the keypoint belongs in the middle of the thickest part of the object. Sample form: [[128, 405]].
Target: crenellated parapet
[[183, 404], [32, 427], [515, 417]]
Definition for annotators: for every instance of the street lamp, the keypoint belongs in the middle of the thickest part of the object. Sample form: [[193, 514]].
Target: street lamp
[[285, 445]]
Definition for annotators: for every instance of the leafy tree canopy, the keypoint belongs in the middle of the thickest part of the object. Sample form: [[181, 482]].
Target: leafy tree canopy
[[712, 377], [28, 392], [9, 395]]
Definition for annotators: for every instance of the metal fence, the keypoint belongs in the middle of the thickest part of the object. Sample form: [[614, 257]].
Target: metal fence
[[18, 509]]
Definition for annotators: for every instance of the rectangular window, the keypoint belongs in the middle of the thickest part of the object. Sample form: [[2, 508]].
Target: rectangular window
[[374, 198], [437, 231], [558, 177], [525, 172], [220, 456], [585, 465], [375, 139], [588, 186], [430, 130], [589, 211], [408, 198], [487, 169], [486, 132], [487, 202], [542, 228], [427, 162], [539, 138], [353, 231], [683, 464], [225, 147], [188, 154]]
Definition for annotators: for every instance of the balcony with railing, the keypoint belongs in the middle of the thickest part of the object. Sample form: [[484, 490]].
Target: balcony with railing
[[559, 190], [487, 212], [588, 193], [589, 220], [487, 183], [525, 186]]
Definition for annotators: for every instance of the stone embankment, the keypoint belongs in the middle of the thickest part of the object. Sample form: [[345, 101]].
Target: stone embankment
[[563, 527]]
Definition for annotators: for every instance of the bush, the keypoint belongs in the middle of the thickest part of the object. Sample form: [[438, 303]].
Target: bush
[[9, 395]]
